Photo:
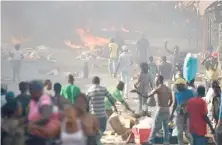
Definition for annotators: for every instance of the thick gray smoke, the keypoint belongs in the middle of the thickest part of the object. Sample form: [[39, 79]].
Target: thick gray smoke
[[50, 23]]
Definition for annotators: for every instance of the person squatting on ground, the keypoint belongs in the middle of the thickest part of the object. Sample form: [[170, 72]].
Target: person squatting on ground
[[16, 57], [124, 65], [182, 95], [116, 94], [143, 85], [196, 112], [161, 119], [113, 56]]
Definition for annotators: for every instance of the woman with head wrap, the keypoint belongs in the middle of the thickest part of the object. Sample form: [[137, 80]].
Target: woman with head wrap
[[43, 122]]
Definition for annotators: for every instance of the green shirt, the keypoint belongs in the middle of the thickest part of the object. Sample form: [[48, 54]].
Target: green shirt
[[70, 92], [116, 96]]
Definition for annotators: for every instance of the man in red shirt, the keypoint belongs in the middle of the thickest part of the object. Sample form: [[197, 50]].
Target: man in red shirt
[[198, 120]]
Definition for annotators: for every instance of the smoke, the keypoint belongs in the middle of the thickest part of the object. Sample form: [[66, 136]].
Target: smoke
[[50, 23]]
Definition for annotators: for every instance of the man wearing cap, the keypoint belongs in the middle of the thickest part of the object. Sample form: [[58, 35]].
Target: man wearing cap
[[16, 57], [124, 65], [182, 95]]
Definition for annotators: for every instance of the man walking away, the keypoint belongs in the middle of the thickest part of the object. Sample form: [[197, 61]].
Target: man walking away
[[116, 94], [182, 95], [165, 69], [152, 68], [196, 111], [112, 56], [23, 98], [164, 101], [16, 57], [96, 95], [70, 91], [143, 85], [175, 56], [142, 49], [59, 100], [124, 64]]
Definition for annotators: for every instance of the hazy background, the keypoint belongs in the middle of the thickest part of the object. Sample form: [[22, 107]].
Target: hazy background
[[50, 23]]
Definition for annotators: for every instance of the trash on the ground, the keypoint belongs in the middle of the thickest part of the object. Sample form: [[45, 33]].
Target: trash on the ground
[[67, 73], [50, 58], [42, 47], [53, 72]]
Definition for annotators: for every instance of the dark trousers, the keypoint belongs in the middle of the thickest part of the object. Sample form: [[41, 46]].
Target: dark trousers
[[91, 140], [36, 140], [219, 138]]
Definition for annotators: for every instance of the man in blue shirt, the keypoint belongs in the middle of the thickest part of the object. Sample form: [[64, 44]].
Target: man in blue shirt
[[182, 95], [219, 126]]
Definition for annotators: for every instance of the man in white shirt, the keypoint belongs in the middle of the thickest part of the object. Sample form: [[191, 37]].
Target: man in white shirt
[[17, 57], [125, 64]]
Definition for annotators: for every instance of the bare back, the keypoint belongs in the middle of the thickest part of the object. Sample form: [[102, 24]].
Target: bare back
[[163, 96]]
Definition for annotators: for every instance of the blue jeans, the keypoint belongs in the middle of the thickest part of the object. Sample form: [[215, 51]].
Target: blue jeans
[[102, 124], [181, 130], [142, 104], [161, 120], [199, 140], [112, 65]]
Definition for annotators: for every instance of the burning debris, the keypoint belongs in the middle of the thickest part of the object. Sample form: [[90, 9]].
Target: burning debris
[[18, 40], [71, 45], [91, 41]]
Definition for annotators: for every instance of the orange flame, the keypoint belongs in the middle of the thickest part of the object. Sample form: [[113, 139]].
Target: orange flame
[[91, 41], [71, 45], [18, 40]]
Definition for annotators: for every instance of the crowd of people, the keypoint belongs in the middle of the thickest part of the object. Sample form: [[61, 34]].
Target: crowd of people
[[68, 116]]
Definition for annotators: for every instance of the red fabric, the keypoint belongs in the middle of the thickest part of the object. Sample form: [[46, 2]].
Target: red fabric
[[197, 108]]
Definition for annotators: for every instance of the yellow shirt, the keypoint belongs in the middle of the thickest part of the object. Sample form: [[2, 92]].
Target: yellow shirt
[[113, 50], [212, 75]]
